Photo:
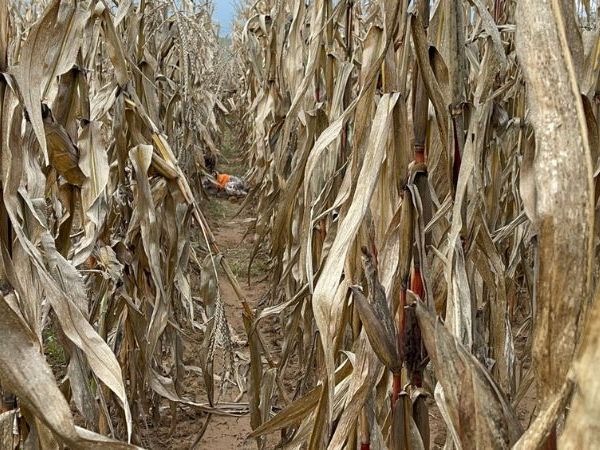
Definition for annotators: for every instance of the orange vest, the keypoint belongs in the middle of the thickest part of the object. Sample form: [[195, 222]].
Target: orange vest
[[223, 179]]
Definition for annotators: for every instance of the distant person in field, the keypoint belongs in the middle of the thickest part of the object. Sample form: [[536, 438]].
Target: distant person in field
[[223, 183]]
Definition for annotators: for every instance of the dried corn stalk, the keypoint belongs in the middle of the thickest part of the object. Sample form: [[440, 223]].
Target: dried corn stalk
[[99, 103], [339, 98]]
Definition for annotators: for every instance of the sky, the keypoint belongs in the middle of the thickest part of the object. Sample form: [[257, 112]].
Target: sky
[[224, 11]]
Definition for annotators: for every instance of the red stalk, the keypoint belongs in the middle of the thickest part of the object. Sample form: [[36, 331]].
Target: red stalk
[[419, 154], [550, 443], [416, 283], [396, 388]]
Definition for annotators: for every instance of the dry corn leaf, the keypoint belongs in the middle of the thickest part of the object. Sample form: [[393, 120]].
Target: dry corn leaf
[[49, 51], [25, 372], [494, 423]]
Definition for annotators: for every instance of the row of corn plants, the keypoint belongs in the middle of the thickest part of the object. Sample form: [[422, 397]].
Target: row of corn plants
[[106, 111], [425, 182]]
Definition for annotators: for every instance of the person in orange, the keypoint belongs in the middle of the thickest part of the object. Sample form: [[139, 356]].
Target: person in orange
[[222, 180], [227, 184]]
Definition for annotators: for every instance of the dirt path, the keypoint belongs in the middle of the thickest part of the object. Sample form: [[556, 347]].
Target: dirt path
[[223, 432], [231, 432]]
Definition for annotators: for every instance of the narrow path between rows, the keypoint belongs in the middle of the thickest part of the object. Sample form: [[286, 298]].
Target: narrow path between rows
[[230, 230]]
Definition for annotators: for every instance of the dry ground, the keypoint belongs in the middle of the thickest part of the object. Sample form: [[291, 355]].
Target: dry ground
[[230, 229], [223, 432]]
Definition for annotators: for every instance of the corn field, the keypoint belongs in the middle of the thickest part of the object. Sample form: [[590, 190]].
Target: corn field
[[424, 191]]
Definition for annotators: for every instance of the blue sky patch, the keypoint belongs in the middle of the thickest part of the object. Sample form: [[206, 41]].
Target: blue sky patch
[[223, 15]]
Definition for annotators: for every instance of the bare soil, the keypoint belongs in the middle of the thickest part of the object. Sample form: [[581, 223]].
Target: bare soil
[[223, 432]]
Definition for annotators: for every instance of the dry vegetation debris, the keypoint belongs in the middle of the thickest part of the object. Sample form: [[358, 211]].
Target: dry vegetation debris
[[424, 182]]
